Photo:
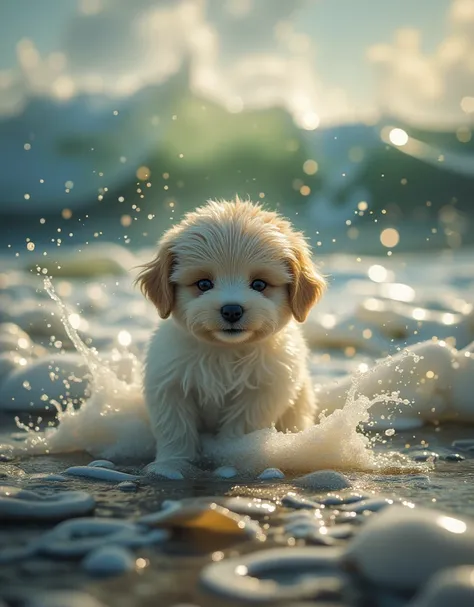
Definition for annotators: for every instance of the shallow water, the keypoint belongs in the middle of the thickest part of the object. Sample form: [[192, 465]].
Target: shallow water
[[378, 428]]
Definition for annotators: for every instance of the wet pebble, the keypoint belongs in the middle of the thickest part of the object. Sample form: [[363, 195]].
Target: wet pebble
[[78, 537], [250, 506], [102, 463], [452, 587], [103, 474], [339, 500], [284, 574], [128, 486], [225, 472], [271, 474], [372, 505], [343, 531], [454, 457], [109, 561], [323, 480], [19, 504], [420, 543], [298, 502]]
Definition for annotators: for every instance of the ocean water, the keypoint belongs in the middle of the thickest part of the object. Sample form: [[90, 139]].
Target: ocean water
[[392, 357]]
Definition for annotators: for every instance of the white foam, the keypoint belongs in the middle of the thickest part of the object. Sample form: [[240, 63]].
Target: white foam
[[429, 381]]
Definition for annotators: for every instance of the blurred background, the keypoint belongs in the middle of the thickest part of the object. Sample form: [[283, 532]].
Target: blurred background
[[354, 118]]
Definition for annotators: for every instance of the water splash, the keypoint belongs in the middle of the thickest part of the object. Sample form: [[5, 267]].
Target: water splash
[[113, 424]]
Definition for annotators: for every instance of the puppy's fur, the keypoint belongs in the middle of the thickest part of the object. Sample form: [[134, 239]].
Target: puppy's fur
[[201, 377]]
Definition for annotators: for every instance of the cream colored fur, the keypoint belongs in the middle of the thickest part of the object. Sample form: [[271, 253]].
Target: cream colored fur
[[201, 378]]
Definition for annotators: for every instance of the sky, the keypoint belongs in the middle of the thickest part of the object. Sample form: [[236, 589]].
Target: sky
[[327, 61]]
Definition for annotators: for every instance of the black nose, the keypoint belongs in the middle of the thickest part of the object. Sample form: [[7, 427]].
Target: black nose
[[232, 312]]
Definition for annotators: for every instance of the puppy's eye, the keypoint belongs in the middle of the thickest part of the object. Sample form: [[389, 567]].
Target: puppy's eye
[[204, 284], [258, 285]]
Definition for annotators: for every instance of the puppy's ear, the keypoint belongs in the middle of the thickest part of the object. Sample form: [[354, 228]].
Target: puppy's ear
[[307, 286], [154, 280]]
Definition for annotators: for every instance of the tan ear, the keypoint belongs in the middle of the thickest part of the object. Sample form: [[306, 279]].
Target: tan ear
[[154, 280], [307, 286]]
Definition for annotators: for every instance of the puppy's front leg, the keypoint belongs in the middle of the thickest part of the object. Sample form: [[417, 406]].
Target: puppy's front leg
[[174, 424]]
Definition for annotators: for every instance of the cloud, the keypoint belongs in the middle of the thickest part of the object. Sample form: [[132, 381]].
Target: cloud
[[430, 89]]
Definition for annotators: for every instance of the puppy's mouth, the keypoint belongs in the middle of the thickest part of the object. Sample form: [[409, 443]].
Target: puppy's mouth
[[232, 335]]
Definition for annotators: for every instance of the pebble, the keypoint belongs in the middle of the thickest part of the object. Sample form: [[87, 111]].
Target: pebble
[[454, 457], [102, 463], [271, 474], [103, 474], [449, 588], [20, 504], [401, 548], [338, 500], [78, 537], [298, 502], [251, 506], [128, 486], [284, 574], [108, 561], [323, 480], [225, 472], [372, 505]]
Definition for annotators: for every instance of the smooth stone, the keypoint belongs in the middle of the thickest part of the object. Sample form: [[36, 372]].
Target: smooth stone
[[312, 531], [323, 480], [402, 548], [338, 500], [128, 486], [372, 505], [103, 474], [23, 389], [102, 463], [19, 504], [343, 531], [271, 474], [225, 472], [108, 561], [205, 516], [454, 457], [448, 588], [298, 502], [283, 574], [253, 506], [78, 537]]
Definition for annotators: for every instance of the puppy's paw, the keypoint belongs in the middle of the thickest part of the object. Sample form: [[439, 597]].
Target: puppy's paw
[[162, 470]]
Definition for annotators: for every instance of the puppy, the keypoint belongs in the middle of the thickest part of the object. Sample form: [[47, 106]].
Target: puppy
[[231, 279]]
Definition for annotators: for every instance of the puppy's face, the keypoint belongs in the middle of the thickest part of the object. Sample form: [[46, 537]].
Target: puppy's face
[[231, 273]]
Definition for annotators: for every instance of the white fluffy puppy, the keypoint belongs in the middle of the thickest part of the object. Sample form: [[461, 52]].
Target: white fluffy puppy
[[231, 359]]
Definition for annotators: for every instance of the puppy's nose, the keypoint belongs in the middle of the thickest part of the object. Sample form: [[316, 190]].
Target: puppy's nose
[[232, 312]]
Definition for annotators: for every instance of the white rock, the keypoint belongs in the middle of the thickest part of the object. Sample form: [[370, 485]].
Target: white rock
[[109, 560], [103, 474], [18, 504], [323, 480], [102, 463], [271, 474], [452, 587], [402, 548]]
